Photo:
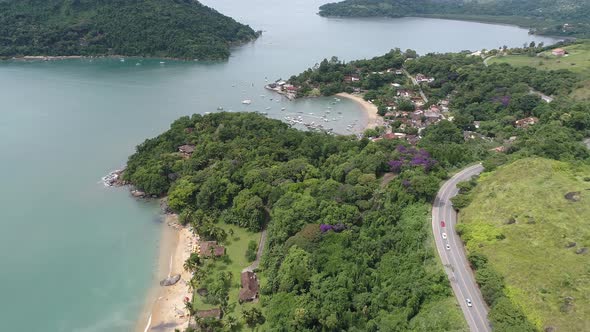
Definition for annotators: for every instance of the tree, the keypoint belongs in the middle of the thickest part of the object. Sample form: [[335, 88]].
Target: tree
[[251, 251], [192, 262], [295, 272], [248, 210], [440, 133], [253, 317], [180, 194]]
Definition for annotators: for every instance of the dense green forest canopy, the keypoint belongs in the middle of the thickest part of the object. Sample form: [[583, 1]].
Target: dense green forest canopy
[[347, 219], [157, 28], [368, 268], [564, 18]]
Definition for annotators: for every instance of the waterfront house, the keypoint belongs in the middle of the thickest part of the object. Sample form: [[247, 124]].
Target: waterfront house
[[404, 93], [418, 101], [420, 78], [351, 78], [210, 248], [249, 290], [210, 313]]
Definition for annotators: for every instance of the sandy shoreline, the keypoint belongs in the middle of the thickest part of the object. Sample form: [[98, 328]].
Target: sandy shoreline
[[373, 119], [165, 309]]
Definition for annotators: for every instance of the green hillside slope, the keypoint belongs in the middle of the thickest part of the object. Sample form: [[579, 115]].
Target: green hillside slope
[[535, 237]]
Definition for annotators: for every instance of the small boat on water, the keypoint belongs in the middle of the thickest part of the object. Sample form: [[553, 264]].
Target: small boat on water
[[220, 108], [267, 108], [247, 102], [162, 62], [122, 60], [282, 108]]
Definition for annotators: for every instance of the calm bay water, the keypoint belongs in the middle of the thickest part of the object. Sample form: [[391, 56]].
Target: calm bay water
[[80, 257]]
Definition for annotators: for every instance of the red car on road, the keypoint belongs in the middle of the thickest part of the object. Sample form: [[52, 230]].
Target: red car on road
[[442, 223]]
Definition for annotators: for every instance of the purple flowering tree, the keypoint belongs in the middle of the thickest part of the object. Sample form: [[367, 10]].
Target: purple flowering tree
[[411, 157]]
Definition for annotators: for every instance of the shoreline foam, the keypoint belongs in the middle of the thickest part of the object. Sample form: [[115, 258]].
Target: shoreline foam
[[164, 309], [373, 119]]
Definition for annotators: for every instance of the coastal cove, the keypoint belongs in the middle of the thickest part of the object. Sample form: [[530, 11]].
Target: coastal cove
[[90, 253]]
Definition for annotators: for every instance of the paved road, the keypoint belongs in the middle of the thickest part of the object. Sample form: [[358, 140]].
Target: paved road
[[543, 96], [417, 84], [454, 259], [261, 244]]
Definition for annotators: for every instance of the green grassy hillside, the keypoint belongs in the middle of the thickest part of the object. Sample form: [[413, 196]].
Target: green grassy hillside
[[158, 28], [532, 235], [577, 61]]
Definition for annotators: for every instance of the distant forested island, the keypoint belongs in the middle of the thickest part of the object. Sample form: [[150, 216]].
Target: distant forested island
[[560, 18], [183, 29]]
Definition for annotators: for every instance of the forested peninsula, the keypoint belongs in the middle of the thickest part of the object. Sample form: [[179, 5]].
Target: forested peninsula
[[558, 18], [347, 221], [183, 29]]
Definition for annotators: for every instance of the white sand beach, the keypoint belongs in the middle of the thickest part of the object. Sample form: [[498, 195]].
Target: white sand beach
[[373, 119], [165, 307]]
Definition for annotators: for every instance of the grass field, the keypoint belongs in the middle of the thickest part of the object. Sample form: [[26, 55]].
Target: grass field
[[525, 202], [577, 61], [235, 248]]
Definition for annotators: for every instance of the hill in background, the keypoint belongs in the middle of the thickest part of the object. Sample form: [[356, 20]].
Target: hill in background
[[563, 18], [156, 28]]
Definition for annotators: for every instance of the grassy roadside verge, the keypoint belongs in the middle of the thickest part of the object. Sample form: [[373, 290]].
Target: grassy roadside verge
[[534, 237]]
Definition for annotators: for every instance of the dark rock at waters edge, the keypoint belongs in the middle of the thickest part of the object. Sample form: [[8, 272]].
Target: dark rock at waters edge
[[164, 207], [172, 280], [113, 179], [137, 193]]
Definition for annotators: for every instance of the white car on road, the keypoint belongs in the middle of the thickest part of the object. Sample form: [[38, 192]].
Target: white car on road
[[469, 304], [444, 236], [448, 246]]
